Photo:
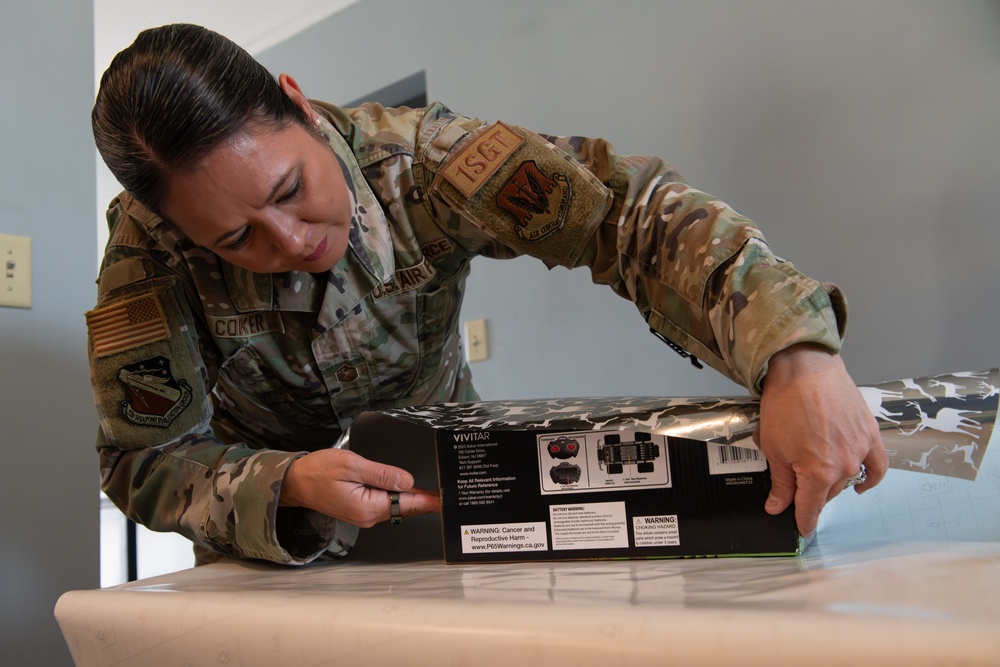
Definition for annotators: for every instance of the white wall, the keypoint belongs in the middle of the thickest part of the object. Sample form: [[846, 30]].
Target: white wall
[[48, 494], [861, 136]]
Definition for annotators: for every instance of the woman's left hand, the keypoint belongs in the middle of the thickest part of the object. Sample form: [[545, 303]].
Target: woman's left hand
[[816, 431]]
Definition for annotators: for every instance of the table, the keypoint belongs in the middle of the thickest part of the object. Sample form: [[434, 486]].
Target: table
[[906, 574], [842, 602]]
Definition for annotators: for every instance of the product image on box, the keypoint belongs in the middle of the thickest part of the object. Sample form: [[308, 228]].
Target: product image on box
[[602, 461], [640, 452]]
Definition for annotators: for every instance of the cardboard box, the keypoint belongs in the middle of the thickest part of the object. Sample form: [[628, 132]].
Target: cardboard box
[[593, 478], [580, 479]]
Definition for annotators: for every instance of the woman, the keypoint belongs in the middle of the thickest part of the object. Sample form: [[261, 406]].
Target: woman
[[278, 265]]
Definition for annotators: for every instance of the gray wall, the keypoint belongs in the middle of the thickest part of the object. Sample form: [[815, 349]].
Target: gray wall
[[861, 136], [49, 490]]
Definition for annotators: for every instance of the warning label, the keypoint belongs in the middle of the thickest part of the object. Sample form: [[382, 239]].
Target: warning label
[[656, 531], [491, 538], [589, 526]]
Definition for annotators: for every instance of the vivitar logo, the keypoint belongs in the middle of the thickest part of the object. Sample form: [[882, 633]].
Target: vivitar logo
[[476, 436]]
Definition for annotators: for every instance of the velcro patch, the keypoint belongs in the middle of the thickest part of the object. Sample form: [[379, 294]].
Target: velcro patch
[[472, 167], [537, 203], [525, 192], [405, 279], [127, 324], [153, 396], [245, 326]]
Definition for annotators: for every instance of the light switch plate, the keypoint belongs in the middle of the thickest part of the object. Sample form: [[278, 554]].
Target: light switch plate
[[476, 346], [15, 271]]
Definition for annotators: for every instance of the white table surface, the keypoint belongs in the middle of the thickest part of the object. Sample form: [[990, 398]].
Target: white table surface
[[844, 602]]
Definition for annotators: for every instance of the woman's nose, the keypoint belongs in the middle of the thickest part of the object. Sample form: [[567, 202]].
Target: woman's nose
[[288, 234]]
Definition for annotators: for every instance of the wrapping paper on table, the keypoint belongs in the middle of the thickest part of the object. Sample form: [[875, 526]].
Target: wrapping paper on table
[[937, 424]]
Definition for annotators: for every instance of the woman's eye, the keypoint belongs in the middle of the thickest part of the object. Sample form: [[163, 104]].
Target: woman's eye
[[292, 192], [241, 241]]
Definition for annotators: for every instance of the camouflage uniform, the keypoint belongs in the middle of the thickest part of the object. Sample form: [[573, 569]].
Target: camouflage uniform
[[210, 380]]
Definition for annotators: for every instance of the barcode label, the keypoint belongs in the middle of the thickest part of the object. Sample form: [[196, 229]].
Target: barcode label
[[729, 459], [730, 454]]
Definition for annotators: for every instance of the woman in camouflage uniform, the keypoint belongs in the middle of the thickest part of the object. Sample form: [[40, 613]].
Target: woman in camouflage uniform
[[278, 265]]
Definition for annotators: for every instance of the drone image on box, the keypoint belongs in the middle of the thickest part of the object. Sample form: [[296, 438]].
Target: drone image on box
[[616, 454]]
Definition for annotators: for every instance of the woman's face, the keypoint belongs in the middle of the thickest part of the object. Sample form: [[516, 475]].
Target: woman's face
[[268, 200]]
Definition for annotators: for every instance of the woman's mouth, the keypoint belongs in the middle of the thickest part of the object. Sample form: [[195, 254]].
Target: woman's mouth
[[318, 252]]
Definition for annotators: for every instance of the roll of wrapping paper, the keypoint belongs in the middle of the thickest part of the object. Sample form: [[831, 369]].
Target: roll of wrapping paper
[[939, 424]]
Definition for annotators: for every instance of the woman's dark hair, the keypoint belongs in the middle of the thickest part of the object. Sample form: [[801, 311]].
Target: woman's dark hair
[[177, 93]]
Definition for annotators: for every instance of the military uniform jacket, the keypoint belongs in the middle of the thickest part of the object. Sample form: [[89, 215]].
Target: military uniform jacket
[[210, 380]]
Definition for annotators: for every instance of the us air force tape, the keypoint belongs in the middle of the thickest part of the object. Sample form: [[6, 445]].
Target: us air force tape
[[524, 191]]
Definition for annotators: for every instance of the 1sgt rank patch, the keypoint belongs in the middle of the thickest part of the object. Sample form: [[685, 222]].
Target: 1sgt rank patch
[[153, 397], [524, 191]]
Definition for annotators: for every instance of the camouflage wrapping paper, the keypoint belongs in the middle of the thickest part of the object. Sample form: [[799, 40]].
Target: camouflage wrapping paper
[[939, 424]]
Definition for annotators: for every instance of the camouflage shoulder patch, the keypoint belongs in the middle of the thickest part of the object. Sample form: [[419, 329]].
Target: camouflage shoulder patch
[[523, 191]]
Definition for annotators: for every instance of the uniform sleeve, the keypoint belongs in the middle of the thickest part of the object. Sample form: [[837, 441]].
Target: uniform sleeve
[[151, 372], [701, 275]]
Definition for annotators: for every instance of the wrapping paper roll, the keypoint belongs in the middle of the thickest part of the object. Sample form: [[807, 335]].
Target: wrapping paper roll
[[938, 424]]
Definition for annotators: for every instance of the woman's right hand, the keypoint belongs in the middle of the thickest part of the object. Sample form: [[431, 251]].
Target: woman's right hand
[[346, 486]]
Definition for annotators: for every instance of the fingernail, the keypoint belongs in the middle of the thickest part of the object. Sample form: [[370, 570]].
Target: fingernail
[[772, 503]]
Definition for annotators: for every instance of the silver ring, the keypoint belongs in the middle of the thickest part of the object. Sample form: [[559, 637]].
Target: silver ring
[[395, 512], [857, 479]]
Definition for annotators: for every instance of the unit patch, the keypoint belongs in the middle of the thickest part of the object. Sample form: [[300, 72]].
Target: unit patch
[[153, 397], [537, 202]]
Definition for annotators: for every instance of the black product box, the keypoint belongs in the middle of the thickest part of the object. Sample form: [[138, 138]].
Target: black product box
[[576, 479]]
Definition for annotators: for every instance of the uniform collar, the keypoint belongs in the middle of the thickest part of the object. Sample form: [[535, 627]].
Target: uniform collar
[[369, 260]]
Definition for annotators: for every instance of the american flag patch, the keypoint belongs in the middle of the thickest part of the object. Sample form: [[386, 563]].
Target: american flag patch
[[127, 324]]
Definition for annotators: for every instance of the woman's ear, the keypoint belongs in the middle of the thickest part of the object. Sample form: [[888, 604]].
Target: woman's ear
[[291, 88]]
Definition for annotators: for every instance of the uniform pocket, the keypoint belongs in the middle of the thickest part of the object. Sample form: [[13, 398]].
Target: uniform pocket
[[250, 389]]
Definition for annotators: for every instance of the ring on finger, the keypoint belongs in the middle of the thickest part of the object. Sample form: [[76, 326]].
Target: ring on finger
[[857, 479], [395, 512]]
